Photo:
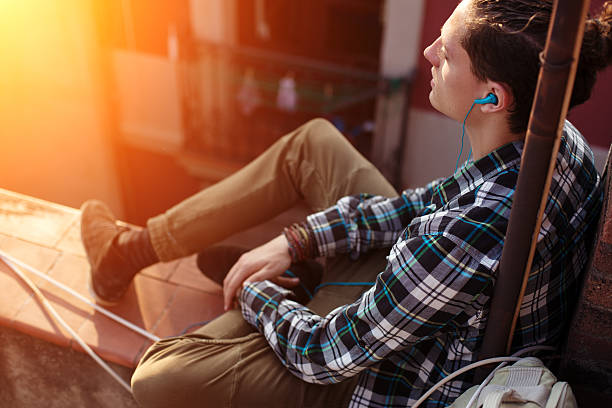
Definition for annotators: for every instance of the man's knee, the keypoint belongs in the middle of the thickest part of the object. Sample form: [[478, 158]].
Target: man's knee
[[322, 130], [158, 382], [319, 142], [182, 371], [320, 125], [317, 132]]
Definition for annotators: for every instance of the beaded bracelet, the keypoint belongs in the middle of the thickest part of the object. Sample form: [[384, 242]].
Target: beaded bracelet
[[301, 245]]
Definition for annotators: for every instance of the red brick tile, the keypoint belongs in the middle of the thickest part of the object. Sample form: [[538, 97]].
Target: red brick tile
[[33, 220], [15, 294], [42, 326], [189, 307], [71, 240], [187, 274], [5, 321], [143, 305], [34, 255], [117, 345], [34, 319], [162, 270]]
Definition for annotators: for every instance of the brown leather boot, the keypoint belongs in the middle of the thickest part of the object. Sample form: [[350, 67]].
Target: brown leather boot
[[115, 253]]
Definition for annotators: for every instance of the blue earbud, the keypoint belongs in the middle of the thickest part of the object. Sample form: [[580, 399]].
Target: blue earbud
[[491, 98]]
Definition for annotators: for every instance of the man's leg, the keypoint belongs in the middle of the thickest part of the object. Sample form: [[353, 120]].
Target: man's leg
[[228, 364], [314, 163], [224, 364]]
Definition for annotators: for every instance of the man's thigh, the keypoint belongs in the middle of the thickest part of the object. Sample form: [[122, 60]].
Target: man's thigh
[[226, 364]]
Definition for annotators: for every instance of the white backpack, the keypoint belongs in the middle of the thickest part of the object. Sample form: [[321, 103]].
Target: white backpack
[[525, 384]]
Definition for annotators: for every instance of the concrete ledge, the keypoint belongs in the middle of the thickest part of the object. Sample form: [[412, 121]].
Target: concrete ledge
[[35, 373]]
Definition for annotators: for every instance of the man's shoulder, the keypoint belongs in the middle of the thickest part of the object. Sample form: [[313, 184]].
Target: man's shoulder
[[574, 149], [575, 167]]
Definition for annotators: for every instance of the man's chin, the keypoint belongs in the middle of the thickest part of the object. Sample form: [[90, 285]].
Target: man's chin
[[438, 108], [432, 102]]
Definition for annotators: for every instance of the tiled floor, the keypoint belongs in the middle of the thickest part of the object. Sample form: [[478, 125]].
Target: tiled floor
[[165, 299]]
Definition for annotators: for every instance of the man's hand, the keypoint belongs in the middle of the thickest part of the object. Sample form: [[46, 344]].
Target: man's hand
[[266, 262]]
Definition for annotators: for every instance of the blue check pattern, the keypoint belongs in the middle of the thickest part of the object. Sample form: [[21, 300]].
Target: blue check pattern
[[426, 313]]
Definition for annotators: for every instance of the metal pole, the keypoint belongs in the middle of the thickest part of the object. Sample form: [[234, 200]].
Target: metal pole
[[553, 92]]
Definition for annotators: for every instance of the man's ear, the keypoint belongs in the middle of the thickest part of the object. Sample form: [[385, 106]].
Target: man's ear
[[505, 98]]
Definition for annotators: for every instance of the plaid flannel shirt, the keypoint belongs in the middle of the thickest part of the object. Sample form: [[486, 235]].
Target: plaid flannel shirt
[[425, 316]]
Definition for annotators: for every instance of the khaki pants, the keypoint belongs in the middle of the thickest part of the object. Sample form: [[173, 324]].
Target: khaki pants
[[227, 363], [315, 163]]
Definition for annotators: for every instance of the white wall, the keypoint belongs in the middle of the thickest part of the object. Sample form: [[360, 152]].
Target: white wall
[[399, 57], [53, 130], [432, 147]]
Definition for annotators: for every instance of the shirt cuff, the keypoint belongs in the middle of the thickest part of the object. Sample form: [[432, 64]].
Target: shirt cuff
[[257, 298], [313, 225]]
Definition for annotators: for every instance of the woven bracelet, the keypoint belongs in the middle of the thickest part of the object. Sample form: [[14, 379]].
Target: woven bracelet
[[301, 245]]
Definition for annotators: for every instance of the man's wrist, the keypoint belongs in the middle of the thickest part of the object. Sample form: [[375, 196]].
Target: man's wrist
[[301, 244]]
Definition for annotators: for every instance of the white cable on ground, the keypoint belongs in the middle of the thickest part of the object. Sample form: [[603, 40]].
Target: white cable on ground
[[65, 288], [61, 321]]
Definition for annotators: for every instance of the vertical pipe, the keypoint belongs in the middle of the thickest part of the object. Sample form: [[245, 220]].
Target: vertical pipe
[[553, 92]]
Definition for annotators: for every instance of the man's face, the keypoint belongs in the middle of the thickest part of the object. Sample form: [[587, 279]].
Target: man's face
[[453, 86]]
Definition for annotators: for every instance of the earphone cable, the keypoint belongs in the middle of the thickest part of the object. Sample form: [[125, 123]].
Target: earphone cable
[[463, 136]]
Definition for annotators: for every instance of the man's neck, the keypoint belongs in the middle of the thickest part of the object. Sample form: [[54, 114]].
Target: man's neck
[[489, 135]]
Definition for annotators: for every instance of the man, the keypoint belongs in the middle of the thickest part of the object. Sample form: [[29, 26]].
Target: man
[[425, 312]]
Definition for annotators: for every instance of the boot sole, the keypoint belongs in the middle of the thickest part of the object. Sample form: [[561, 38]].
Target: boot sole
[[98, 299]]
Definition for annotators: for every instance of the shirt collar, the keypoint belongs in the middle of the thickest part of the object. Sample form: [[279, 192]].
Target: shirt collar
[[471, 175]]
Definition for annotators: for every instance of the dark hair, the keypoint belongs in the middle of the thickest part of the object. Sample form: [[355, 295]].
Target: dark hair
[[505, 37]]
